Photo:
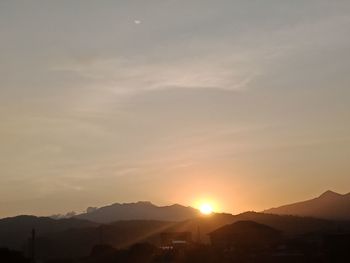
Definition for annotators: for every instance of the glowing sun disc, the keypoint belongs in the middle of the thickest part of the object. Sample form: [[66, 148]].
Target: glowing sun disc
[[206, 209]]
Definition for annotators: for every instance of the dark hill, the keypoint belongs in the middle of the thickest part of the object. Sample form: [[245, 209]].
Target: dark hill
[[288, 225], [246, 233], [15, 230], [244, 227], [329, 205], [80, 241]]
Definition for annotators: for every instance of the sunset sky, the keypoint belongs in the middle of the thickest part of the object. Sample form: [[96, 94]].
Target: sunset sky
[[245, 104]]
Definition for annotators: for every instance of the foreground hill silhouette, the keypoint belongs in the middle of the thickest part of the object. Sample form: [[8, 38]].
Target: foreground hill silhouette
[[244, 234], [15, 230], [138, 211], [72, 238], [329, 205], [288, 225]]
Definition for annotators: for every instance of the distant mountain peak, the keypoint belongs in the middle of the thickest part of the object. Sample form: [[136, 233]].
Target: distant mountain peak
[[140, 203], [329, 205], [330, 194], [145, 203]]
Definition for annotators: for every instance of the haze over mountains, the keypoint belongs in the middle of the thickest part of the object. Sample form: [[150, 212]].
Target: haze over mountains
[[138, 211], [329, 205]]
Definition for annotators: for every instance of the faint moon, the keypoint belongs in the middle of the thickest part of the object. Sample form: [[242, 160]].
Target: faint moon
[[137, 22]]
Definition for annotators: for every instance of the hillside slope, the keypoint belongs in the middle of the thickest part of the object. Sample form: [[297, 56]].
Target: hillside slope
[[329, 205]]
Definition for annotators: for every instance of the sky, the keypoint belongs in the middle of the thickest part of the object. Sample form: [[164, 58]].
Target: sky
[[244, 104]]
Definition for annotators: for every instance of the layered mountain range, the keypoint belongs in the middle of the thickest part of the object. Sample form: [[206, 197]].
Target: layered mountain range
[[126, 224]]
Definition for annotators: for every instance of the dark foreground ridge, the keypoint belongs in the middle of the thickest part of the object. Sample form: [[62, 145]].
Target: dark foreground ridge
[[217, 238]]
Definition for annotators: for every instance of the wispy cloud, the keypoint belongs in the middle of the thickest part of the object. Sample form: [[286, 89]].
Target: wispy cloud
[[233, 72]]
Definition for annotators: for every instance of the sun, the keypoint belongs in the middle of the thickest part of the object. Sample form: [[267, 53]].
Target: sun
[[206, 209]]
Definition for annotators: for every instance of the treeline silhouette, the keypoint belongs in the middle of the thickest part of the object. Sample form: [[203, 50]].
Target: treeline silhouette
[[328, 249], [218, 238]]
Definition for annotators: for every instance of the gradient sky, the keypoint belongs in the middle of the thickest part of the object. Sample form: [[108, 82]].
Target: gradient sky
[[244, 103]]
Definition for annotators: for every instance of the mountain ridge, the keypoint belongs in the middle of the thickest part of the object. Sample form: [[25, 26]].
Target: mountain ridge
[[329, 205], [142, 210]]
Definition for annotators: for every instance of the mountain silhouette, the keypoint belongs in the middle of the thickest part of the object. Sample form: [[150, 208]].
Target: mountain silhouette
[[329, 205], [138, 211]]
